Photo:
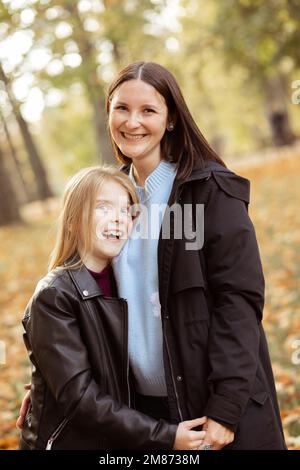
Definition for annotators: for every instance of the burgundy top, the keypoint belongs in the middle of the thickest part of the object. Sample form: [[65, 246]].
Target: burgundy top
[[105, 281]]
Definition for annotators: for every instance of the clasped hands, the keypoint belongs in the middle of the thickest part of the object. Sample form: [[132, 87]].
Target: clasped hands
[[214, 436]]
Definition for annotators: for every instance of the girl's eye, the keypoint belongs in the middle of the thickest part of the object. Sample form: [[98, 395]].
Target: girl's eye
[[149, 110], [125, 210], [122, 108], [102, 207]]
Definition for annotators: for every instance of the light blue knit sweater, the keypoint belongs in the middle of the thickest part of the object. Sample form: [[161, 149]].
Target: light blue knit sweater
[[136, 274]]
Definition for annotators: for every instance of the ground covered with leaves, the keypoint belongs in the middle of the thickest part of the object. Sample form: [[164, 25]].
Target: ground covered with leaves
[[274, 208]]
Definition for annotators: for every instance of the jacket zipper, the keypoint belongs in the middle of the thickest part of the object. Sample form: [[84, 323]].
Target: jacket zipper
[[127, 367], [176, 199], [127, 358], [172, 375], [56, 433]]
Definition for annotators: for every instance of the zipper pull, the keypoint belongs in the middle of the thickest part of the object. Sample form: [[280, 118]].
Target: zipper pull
[[49, 444]]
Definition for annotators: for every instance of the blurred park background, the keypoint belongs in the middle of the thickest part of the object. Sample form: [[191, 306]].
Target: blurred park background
[[238, 63]]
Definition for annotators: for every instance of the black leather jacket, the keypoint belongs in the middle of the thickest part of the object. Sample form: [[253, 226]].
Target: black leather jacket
[[81, 398]]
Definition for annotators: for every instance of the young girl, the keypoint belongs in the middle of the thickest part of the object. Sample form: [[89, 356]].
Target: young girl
[[76, 332]]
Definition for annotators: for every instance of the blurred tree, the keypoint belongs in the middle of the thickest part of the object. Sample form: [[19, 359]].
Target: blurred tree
[[76, 47], [263, 37], [69, 138], [24, 193], [79, 43], [88, 41], [83, 44], [43, 188], [9, 207]]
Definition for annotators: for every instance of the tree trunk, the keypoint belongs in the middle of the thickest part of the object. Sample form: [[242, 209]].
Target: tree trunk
[[277, 112], [24, 192], [93, 87], [104, 148], [37, 166], [9, 207], [35, 160]]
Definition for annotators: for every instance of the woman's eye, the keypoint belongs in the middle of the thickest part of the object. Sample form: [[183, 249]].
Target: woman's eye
[[149, 110], [122, 108]]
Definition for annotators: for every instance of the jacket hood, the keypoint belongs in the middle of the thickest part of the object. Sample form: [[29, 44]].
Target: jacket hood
[[232, 184]]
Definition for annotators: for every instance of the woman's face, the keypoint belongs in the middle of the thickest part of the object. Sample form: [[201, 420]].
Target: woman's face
[[138, 120], [112, 225]]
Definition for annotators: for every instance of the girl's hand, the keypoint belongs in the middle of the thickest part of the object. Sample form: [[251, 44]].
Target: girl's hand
[[24, 407], [186, 438]]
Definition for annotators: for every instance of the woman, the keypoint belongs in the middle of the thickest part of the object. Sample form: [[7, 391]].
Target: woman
[[195, 332], [76, 333]]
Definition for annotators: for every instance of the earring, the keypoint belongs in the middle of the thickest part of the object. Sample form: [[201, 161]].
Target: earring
[[170, 126]]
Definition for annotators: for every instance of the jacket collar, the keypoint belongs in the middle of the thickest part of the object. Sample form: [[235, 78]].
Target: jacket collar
[[198, 173], [233, 185], [84, 282]]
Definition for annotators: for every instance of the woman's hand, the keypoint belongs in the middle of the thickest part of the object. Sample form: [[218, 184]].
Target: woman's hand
[[24, 407], [186, 438], [217, 436]]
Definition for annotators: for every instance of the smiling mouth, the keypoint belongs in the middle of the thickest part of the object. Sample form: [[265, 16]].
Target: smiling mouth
[[133, 137], [112, 234]]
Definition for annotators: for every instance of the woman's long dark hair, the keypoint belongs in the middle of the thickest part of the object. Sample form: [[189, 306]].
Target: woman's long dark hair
[[185, 144]]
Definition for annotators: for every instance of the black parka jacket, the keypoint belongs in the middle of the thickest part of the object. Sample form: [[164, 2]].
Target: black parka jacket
[[215, 353], [81, 399]]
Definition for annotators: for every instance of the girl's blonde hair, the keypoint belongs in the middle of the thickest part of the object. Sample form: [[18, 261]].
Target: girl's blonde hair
[[76, 218]]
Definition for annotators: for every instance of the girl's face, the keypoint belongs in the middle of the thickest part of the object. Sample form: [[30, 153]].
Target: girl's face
[[112, 225], [138, 120]]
